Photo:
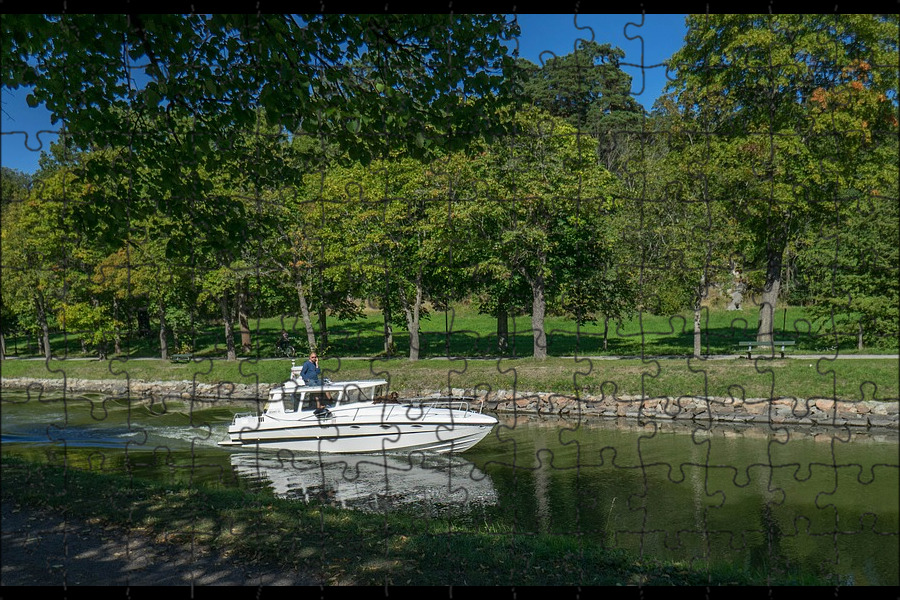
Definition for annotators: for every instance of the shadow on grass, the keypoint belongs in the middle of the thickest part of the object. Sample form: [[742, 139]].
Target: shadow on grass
[[721, 334]]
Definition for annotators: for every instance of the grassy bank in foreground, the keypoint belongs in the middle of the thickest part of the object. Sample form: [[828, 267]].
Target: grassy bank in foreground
[[852, 380], [351, 548]]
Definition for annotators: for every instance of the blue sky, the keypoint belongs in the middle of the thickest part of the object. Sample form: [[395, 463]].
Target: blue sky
[[647, 40]]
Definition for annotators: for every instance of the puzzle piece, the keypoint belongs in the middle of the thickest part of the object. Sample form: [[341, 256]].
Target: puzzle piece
[[589, 267]]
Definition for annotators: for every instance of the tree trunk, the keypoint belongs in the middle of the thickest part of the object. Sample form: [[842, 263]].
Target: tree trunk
[[859, 337], [766, 332], [538, 310], [117, 339], [605, 333], [698, 343], [2, 346], [304, 314], [323, 312], [502, 331], [45, 328], [412, 319], [244, 318], [388, 329], [388, 335], [323, 327], [163, 342], [698, 340], [229, 327]]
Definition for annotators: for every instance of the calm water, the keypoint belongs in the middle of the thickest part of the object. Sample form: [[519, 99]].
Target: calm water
[[826, 501]]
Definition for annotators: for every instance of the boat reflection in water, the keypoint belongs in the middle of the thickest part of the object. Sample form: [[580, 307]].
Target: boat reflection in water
[[372, 482]]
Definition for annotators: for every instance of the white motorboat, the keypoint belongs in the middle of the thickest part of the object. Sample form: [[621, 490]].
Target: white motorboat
[[358, 418]]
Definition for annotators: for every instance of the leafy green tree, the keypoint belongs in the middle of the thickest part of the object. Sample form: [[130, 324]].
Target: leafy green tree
[[368, 83], [476, 268], [756, 84], [15, 185], [499, 292], [392, 215], [94, 323], [60, 264], [589, 89], [546, 198], [848, 270], [305, 241], [36, 251], [139, 273], [848, 263], [291, 253], [214, 252], [586, 87], [687, 237]]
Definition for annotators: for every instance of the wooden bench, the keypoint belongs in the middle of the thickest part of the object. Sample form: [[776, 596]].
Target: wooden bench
[[754, 344], [181, 358]]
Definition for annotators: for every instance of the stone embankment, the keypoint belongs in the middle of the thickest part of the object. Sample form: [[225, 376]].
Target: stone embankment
[[786, 411]]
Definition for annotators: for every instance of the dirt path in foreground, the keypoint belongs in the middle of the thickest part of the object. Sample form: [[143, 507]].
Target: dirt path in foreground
[[40, 548]]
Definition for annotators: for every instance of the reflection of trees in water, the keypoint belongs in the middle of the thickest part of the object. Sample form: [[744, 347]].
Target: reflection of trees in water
[[698, 473], [768, 555], [542, 489]]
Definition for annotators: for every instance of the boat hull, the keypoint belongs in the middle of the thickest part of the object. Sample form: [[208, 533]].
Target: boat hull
[[348, 432]]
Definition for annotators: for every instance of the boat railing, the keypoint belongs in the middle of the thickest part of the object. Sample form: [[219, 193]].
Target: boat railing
[[427, 403], [461, 403], [242, 415]]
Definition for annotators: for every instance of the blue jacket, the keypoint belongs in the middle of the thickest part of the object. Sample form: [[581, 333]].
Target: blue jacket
[[310, 371]]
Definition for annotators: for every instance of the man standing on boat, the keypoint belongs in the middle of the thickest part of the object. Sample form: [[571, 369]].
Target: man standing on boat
[[311, 375]]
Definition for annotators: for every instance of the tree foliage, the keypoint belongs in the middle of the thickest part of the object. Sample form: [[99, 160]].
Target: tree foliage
[[218, 166], [586, 87], [544, 205], [349, 78], [589, 89], [791, 104]]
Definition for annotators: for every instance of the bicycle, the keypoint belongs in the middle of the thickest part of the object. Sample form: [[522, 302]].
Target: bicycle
[[285, 350]]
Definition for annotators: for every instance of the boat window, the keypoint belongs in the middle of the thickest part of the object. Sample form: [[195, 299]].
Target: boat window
[[310, 401], [291, 401]]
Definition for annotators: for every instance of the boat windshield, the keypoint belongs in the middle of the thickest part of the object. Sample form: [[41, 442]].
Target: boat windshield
[[361, 394], [299, 400], [307, 399]]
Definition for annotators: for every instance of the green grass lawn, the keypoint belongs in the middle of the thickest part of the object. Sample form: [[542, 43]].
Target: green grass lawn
[[858, 379], [463, 332]]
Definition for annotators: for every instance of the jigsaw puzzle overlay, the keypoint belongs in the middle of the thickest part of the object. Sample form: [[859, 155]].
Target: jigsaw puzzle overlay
[[397, 300]]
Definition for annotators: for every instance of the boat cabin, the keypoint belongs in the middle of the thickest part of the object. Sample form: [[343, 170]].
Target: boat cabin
[[294, 396]]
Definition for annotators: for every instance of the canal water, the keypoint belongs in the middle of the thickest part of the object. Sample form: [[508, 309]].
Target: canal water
[[766, 498]]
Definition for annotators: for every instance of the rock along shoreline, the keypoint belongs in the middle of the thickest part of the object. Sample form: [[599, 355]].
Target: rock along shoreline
[[748, 411]]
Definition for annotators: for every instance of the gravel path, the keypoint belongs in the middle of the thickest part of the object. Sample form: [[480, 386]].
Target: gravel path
[[43, 549]]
